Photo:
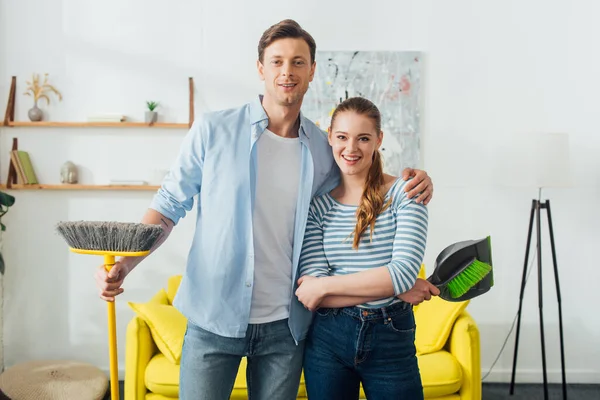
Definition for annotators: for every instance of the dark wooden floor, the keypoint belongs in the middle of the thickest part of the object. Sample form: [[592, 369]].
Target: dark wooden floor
[[500, 391]]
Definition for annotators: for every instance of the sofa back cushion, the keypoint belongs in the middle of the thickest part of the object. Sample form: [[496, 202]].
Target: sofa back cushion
[[167, 325], [172, 287], [434, 320]]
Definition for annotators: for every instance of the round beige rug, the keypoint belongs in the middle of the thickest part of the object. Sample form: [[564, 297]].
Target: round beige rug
[[54, 380]]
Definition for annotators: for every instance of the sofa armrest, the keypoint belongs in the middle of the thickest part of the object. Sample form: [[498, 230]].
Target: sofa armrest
[[464, 345], [139, 349]]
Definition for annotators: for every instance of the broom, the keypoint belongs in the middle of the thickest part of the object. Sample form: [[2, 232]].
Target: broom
[[110, 239]]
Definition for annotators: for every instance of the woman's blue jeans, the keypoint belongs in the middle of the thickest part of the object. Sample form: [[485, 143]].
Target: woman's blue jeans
[[349, 346]]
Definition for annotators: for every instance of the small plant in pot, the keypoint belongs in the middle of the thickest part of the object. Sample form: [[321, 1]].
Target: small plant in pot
[[151, 115], [39, 91]]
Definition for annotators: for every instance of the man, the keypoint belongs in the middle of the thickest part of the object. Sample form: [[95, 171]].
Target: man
[[255, 169]]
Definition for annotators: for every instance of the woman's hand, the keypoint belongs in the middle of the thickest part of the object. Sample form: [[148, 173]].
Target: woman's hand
[[421, 291], [310, 292]]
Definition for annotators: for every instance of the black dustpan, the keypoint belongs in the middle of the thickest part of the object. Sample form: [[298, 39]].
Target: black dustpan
[[454, 258]]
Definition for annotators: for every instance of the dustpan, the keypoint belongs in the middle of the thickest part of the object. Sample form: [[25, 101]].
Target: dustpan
[[454, 259]]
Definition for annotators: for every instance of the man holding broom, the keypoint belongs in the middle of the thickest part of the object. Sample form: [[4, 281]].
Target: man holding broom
[[255, 170]]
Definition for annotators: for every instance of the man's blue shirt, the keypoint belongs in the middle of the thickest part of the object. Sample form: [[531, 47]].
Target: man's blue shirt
[[217, 165]]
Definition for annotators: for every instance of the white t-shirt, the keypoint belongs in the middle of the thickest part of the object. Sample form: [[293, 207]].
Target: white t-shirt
[[277, 181]]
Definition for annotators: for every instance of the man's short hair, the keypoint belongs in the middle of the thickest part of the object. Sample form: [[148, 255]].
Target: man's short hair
[[287, 28]]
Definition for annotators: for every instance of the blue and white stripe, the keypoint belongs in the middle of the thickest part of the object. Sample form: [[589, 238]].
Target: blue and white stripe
[[398, 242]]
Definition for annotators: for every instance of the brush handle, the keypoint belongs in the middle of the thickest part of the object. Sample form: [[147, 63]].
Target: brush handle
[[434, 283], [109, 262]]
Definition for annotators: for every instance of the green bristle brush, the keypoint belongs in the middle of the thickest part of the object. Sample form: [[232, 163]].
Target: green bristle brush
[[464, 270]]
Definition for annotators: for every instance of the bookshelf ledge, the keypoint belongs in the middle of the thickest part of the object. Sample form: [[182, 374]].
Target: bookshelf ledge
[[52, 124], [78, 187]]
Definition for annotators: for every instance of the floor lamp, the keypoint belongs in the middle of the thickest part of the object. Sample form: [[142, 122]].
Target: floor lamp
[[548, 164]]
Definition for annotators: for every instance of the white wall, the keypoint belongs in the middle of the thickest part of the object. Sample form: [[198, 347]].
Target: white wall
[[491, 69]]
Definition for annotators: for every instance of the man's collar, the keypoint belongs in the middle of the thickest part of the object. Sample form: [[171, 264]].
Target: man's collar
[[258, 114]]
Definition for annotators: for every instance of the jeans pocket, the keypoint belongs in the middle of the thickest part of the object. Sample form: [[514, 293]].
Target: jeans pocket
[[403, 322], [323, 312]]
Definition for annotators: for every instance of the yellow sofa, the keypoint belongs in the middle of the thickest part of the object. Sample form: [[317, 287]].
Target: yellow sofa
[[447, 341]]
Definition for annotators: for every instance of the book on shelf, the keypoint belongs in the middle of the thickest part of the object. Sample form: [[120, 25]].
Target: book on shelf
[[22, 163], [14, 159]]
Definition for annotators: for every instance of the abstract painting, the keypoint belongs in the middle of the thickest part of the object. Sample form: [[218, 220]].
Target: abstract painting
[[391, 80]]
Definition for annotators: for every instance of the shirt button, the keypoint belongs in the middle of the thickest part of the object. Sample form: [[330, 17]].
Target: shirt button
[[248, 284]]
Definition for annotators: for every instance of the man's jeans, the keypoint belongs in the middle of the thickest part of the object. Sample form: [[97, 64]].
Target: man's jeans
[[209, 363], [351, 345]]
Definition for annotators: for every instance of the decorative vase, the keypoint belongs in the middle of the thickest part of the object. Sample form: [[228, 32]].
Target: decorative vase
[[35, 114], [151, 117]]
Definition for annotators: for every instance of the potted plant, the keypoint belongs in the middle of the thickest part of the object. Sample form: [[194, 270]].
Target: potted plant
[[151, 115], [6, 201], [38, 91]]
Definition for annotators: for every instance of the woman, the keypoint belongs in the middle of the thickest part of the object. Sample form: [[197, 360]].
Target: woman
[[363, 248]]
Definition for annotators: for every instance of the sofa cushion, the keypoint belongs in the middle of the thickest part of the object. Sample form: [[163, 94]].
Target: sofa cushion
[[167, 327], [434, 320], [154, 396], [160, 297], [162, 376], [172, 287], [441, 374]]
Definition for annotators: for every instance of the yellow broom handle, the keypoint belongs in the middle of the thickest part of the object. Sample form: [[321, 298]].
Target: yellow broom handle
[[109, 261]]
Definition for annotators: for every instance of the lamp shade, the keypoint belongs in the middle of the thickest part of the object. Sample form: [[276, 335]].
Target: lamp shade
[[540, 160]]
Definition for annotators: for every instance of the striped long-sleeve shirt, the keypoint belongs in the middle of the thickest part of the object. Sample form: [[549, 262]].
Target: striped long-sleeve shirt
[[398, 243]]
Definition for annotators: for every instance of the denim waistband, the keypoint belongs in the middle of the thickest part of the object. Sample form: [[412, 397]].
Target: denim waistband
[[368, 314]]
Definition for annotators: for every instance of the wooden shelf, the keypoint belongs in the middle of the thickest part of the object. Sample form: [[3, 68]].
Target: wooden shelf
[[51, 124], [9, 121], [79, 187]]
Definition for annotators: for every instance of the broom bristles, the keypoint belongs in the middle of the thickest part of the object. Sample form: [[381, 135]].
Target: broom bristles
[[469, 277], [109, 236]]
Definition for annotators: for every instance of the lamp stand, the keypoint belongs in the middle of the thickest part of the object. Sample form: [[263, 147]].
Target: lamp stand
[[536, 206]]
